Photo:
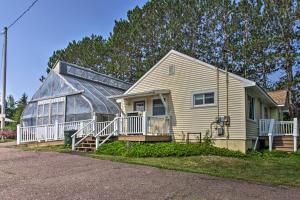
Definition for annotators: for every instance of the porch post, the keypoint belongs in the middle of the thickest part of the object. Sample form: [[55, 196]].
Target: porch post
[[18, 134], [270, 134], [295, 133], [95, 123], [144, 123], [73, 142], [95, 131], [56, 130]]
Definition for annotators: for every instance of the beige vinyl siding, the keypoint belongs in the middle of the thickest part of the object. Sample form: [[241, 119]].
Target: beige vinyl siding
[[191, 77], [252, 126]]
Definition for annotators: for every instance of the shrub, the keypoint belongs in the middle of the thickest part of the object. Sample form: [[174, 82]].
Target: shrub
[[163, 149], [8, 134], [207, 140]]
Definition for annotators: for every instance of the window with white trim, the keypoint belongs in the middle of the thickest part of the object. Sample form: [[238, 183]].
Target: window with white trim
[[251, 107], [139, 106], [204, 98], [158, 107]]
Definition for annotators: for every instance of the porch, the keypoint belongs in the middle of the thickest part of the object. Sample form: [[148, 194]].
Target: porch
[[130, 128], [280, 135]]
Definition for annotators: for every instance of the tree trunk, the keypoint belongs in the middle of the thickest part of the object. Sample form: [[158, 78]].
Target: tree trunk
[[290, 80]]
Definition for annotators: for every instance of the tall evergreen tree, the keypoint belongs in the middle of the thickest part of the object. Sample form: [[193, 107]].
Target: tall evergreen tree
[[285, 16], [21, 103]]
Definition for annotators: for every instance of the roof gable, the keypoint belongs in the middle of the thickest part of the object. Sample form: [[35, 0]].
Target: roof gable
[[245, 82]]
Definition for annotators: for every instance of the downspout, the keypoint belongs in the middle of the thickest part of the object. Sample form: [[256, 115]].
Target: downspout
[[227, 104], [218, 108]]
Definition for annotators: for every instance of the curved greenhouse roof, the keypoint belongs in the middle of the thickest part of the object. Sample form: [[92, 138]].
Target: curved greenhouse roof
[[69, 79]]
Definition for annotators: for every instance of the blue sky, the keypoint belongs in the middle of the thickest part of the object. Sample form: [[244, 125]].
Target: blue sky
[[49, 26]]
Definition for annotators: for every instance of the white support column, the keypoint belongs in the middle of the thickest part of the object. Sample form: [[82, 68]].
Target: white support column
[[73, 143], [270, 134], [117, 124], [295, 133], [95, 124], [97, 142], [144, 126], [18, 134], [56, 130]]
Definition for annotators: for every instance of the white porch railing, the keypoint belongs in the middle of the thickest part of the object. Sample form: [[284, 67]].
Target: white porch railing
[[279, 128], [130, 125], [272, 128], [47, 132]]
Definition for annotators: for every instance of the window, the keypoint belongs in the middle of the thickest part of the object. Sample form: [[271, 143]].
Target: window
[[43, 114], [171, 70], [266, 113], [139, 106], [158, 107], [251, 107], [57, 112], [201, 99]]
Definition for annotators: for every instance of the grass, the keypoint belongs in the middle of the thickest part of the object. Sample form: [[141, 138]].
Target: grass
[[6, 140], [271, 170]]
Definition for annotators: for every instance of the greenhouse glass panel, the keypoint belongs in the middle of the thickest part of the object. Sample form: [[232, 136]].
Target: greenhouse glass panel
[[77, 109]]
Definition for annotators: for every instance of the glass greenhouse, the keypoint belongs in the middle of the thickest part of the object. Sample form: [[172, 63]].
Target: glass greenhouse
[[72, 93]]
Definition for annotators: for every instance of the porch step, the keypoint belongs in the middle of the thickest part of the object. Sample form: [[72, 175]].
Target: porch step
[[283, 143], [89, 144]]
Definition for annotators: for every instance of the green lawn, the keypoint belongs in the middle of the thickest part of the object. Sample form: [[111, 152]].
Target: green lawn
[[283, 170], [278, 171], [6, 140]]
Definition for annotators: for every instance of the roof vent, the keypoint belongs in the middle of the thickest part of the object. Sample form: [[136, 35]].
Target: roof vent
[[171, 69]]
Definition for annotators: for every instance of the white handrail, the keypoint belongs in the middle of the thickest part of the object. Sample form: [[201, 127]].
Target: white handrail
[[98, 134], [82, 128], [74, 143]]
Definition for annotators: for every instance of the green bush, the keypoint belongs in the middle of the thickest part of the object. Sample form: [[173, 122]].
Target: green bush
[[163, 149]]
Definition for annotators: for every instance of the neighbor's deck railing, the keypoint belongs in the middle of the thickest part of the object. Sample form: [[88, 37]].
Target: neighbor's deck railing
[[279, 128], [272, 128]]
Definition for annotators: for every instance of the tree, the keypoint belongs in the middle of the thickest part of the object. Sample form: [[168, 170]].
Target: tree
[[285, 16], [21, 103], [10, 106], [89, 52], [252, 38]]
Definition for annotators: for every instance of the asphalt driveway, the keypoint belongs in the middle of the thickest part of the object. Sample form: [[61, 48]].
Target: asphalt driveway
[[43, 175]]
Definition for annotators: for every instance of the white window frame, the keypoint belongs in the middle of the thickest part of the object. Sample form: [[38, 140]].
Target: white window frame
[[139, 101], [254, 107], [204, 104]]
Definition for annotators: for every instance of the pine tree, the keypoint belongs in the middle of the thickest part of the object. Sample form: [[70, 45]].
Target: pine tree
[[21, 103]]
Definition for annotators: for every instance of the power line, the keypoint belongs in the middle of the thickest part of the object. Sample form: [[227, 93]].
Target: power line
[[16, 20]]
